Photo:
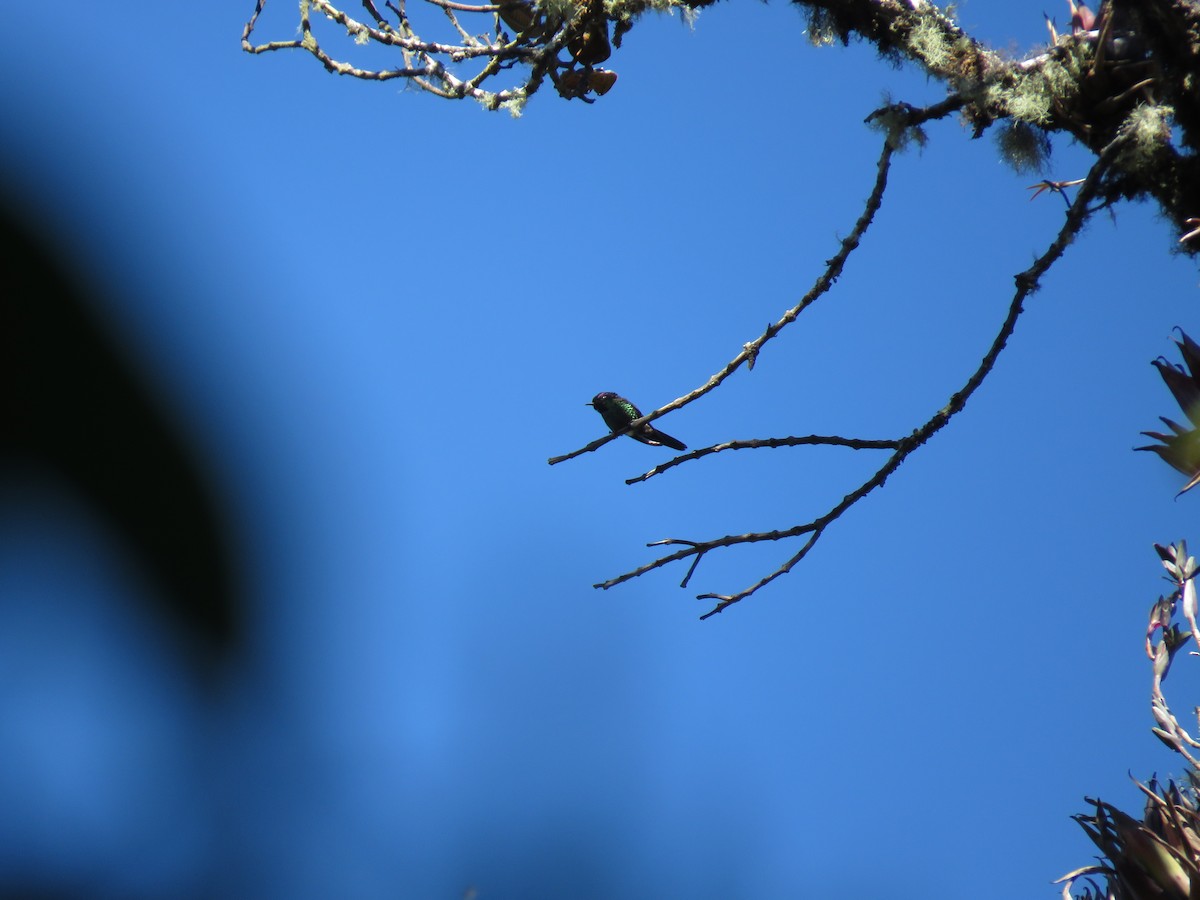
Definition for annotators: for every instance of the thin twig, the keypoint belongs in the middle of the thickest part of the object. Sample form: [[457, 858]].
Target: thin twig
[[831, 440], [246, 45], [467, 38], [465, 7]]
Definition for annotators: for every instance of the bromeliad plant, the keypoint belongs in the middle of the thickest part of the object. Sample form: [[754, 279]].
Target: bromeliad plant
[[1151, 858], [1158, 856], [1181, 448]]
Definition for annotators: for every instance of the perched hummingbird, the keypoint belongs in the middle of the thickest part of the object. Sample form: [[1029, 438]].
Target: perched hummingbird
[[618, 412]]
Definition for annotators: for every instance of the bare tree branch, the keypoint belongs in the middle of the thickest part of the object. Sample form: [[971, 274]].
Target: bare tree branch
[[831, 440], [898, 120], [1026, 283], [430, 64]]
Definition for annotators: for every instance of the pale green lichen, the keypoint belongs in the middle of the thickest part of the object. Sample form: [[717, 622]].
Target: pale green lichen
[[1024, 147], [516, 103], [822, 30], [558, 9], [626, 11], [821, 37], [667, 6], [1149, 130], [1027, 103], [894, 124], [1038, 94], [1035, 97], [927, 41]]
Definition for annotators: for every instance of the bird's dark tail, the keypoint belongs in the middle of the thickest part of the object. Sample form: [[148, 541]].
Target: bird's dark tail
[[667, 440]]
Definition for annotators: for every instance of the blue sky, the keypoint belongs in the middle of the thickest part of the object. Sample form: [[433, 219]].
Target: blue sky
[[377, 314]]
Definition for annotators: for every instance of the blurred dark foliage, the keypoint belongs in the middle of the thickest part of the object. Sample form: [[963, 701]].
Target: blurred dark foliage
[[72, 405]]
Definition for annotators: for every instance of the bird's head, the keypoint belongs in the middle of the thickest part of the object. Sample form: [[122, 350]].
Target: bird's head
[[601, 400]]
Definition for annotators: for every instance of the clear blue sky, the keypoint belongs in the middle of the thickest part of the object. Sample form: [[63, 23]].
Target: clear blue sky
[[378, 314]]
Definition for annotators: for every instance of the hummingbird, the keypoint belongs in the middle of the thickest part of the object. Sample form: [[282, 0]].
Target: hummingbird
[[618, 412]]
